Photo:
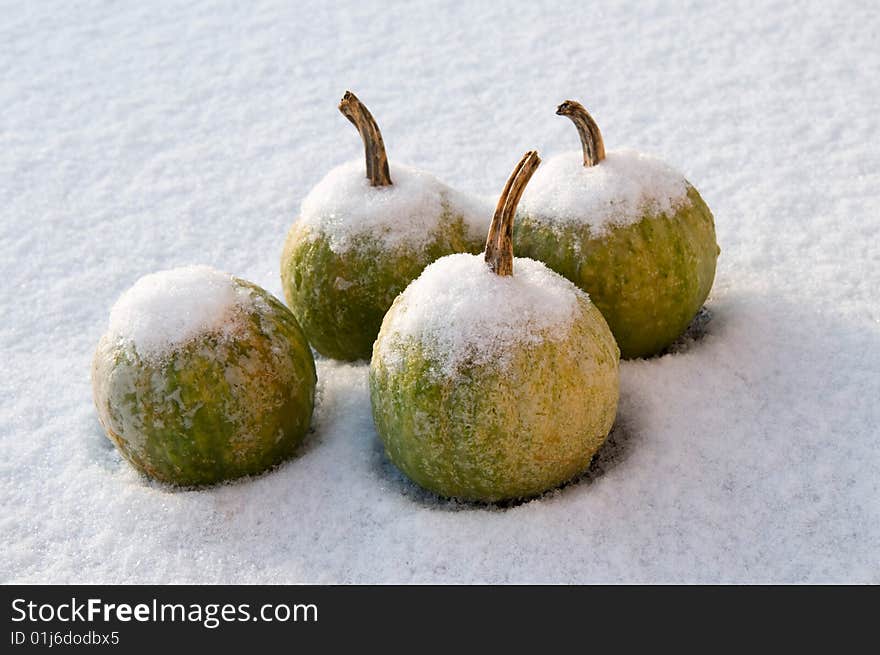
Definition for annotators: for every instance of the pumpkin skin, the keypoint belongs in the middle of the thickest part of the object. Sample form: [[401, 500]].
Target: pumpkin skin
[[497, 430], [340, 298], [649, 279], [214, 408]]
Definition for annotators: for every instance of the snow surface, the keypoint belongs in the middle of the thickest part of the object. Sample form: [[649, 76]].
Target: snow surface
[[459, 311], [620, 190], [137, 137], [164, 310], [343, 206]]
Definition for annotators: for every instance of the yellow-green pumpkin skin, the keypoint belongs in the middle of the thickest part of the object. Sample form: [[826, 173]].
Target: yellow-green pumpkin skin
[[340, 298], [649, 278]]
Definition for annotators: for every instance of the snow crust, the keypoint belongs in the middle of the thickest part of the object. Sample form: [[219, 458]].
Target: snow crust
[[166, 309], [343, 206], [136, 138], [620, 190], [459, 311]]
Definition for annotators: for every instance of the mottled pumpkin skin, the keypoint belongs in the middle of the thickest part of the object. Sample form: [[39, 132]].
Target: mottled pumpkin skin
[[649, 279], [213, 409], [494, 432], [341, 298]]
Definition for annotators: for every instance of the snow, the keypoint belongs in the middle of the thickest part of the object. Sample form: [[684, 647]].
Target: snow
[[138, 137], [461, 313], [620, 190], [164, 310], [343, 206]]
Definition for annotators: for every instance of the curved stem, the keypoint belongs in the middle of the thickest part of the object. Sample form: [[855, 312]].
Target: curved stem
[[374, 148], [499, 243], [591, 137]]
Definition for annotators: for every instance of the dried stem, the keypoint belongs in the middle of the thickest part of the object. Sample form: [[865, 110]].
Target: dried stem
[[499, 243], [591, 137], [374, 148]]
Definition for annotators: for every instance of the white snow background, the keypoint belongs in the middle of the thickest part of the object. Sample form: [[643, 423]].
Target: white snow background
[[136, 137]]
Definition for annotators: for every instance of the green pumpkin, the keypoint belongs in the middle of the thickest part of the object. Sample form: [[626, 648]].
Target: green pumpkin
[[644, 246], [219, 405], [495, 432], [360, 240], [493, 381]]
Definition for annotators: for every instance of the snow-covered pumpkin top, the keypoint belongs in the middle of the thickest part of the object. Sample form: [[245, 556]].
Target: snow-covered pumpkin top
[[601, 190], [396, 205], [471, 310], [166, 310]]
